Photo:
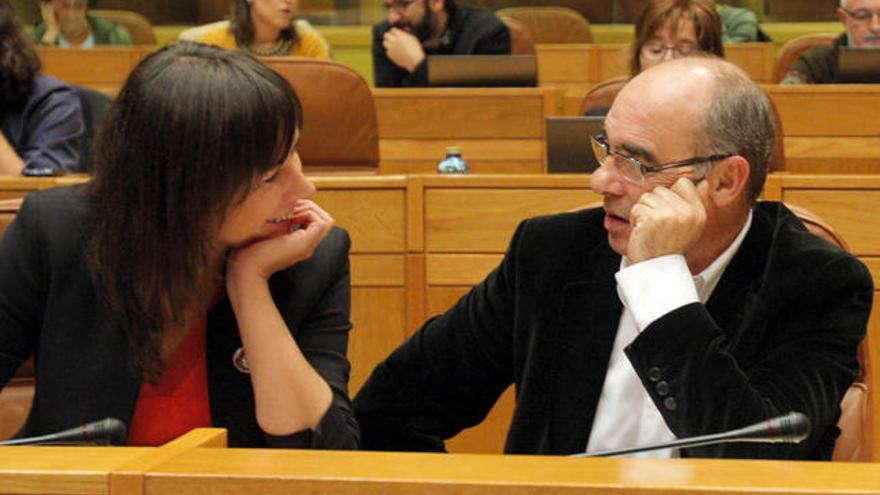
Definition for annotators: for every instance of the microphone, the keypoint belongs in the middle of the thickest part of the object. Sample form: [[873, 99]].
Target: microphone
[[793, 427], [108, 431]]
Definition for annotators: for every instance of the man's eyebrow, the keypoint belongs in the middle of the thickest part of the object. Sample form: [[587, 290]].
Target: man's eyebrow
[[631, 150], [638, 152]]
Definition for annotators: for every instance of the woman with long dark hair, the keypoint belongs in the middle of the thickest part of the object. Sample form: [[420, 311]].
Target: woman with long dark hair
[[41, 122], [192, 282], [266, 28]]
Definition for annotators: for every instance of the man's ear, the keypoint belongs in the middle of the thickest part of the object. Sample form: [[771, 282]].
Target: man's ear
[[841, 16], [728, 181], [436, 5]]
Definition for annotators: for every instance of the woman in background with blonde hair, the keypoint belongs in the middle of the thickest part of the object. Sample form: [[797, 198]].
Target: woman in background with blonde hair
[[266, 28]]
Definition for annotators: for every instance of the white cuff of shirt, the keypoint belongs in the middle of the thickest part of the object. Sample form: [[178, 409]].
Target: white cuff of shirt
[[654, 287]]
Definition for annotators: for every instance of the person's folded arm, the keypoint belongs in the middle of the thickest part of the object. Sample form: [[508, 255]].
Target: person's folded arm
[[23, 285], [55, 129], [805, 361]]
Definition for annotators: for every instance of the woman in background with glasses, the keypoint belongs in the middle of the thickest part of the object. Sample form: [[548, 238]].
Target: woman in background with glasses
[[665, 30], [266, 28], [670, 29]]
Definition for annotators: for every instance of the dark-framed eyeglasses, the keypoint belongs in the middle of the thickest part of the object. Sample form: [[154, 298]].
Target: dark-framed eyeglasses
[[398, 5], [861, 15], [656, 50], [633, 170]]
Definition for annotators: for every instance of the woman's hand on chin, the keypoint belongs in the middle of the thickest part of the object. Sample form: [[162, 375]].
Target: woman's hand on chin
[[306, 228]]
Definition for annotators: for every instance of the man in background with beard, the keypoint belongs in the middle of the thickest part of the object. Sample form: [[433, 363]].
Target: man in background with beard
[[417, 28]]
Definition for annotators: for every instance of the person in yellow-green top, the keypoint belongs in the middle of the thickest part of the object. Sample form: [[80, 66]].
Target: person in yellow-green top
[[266, 28]]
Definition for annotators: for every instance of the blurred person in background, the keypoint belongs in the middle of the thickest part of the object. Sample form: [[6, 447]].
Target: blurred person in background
[[266, 28], [66, 23], [41, 122], [861, 18], [415, 29]]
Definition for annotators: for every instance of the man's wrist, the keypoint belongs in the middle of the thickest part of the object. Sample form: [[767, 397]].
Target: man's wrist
[[656, 286], [414, 66]]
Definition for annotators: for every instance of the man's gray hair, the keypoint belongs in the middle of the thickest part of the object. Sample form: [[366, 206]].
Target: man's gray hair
[[739, 120]]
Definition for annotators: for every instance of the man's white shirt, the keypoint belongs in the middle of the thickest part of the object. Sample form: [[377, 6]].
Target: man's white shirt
[[625, 415]]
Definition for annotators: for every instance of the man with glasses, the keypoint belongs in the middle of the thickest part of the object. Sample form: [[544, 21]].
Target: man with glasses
[[418, 28], [861, 18], [680, 307]]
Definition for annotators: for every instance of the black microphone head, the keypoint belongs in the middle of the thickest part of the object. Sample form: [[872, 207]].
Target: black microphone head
[[108, 431], [793, 427]]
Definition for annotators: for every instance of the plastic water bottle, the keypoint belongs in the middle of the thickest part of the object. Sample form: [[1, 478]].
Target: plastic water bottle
[[453, 163]]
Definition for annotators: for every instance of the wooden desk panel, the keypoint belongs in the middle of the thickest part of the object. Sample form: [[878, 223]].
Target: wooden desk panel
[[829, 128], [103, 68], [236, 471], [372, 210], [499, 129], [757, 59], [827, 109], [57, 470], [849, 203], [472, 215]]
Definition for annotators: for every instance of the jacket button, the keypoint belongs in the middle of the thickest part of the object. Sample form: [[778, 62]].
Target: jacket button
[[654, 374], [662, 388], [670, 404]]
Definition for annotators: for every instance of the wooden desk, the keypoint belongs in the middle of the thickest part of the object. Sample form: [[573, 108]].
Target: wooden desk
[[373, 211], [103, 68], [500, 130], [829, 128], [269, 472], [198, 463], [92, 470]]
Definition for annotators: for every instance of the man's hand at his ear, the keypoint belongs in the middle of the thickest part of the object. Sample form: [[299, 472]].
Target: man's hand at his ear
[[666, 221]]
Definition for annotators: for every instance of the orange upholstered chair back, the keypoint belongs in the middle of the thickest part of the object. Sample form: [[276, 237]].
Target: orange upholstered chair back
[[139, 26], [340, 130], [603, 94], [794, 48], [521, 42], [551, 24], [17, 395], [856, 441]]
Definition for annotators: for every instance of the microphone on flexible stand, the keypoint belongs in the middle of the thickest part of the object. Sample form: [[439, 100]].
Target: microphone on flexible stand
[[793, 427], [108, 431]]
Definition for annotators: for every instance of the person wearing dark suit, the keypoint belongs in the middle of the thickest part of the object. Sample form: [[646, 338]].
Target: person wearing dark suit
[[41, 119], [418, 28], [681, 307], [192, 282]]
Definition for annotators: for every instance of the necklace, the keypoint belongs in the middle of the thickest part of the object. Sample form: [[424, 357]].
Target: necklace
[[281, 48]]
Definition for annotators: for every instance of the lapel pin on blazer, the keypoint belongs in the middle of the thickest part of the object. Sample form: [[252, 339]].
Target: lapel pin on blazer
[[239, 360]]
